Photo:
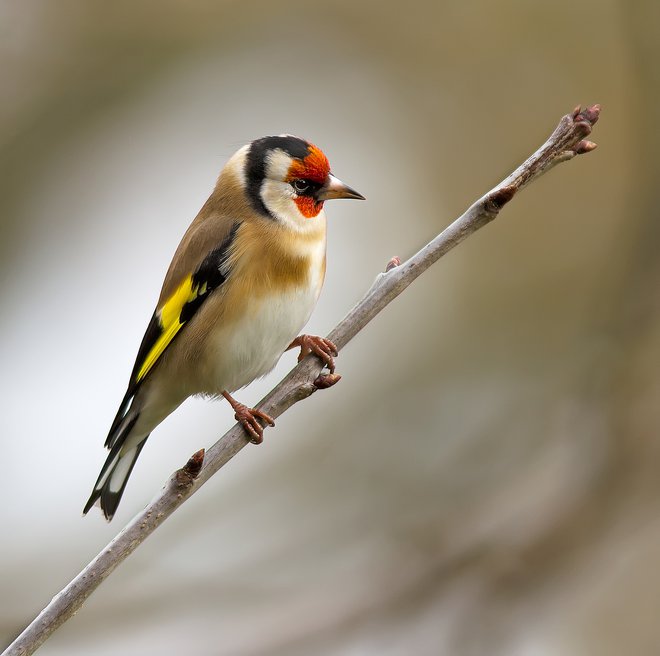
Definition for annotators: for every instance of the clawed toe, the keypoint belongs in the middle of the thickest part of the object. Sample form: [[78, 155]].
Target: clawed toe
[[249, 419], [321, 347]]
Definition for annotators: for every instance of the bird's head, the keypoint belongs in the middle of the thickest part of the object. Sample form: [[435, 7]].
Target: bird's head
[[289, 179]]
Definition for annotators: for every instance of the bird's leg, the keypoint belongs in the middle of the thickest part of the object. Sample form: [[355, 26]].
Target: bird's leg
[[249, 419], [320, 346]]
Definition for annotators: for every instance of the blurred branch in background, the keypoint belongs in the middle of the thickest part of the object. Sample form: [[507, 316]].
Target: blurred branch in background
[[566, 141]]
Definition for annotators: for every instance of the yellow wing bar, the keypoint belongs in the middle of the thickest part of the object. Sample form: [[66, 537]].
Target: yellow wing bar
[[170, 322]]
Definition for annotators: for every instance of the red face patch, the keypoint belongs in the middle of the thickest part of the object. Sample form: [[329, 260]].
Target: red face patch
[[314, 167], [308, 207]]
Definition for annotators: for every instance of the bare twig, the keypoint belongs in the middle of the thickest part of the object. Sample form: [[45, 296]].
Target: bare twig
[[567, 141]]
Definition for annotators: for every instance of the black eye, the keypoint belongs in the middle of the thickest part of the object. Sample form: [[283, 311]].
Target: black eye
[[301, 186]]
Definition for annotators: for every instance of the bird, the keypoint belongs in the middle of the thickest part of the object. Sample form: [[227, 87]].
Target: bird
[[241, 285]]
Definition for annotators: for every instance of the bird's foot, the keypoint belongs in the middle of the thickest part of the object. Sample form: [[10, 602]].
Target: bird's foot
[[249, 419], [320, 346]]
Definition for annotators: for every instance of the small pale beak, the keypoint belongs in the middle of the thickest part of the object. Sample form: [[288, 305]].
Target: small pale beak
[[335, 188]]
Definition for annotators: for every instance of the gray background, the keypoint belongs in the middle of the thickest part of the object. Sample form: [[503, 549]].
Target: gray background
[[484, 480]]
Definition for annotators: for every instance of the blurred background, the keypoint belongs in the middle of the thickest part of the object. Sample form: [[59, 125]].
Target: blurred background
[[484, 480]]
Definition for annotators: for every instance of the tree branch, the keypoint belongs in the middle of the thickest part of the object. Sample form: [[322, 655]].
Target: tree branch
[[567, 141]]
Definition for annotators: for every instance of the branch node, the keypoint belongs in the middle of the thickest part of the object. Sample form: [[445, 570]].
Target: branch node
[[393, 263], [496, 200], [190, 471], [585, 119], [323, 381], [589, 114], [585, 146]]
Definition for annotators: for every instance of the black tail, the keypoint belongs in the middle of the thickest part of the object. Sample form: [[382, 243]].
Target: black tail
[[111, 483]]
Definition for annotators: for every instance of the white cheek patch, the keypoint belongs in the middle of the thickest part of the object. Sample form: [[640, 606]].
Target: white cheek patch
[[237, 164], [278, 198], [278, 164]]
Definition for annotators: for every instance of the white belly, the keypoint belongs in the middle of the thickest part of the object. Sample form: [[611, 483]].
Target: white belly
[[253, 345]]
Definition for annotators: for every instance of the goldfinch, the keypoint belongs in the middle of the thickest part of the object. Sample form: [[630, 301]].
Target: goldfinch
[[242, 284]]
